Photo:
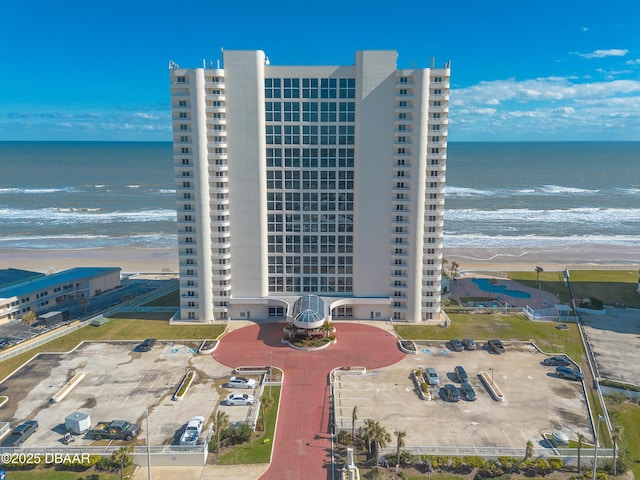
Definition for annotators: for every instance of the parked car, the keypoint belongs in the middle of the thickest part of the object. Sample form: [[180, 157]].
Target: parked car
[[562, 326], [147, 345], [456, 345], [469, 344], [432, 376], [241, 382], [468, 391], [496, 346], [4, 343], [568, 373], [20, 434], [192, 432], [239, 399], [461, 375], [451, 392], [556, 361]]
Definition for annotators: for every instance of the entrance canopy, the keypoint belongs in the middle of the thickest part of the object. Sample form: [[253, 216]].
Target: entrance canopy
[[308, 312]]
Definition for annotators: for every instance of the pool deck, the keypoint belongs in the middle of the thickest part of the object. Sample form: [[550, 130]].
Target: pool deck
[[465, 287]]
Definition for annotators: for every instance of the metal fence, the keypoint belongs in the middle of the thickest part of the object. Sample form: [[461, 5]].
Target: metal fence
[[495, 452]]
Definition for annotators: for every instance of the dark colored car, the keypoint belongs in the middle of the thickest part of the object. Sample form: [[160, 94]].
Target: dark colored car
[[451, 392], [557, 361], [568, 373], [456, 345], [20, 434], [468, 391], [147, 345], [4, 343], [461, 375], [496, 346], [469, 344]]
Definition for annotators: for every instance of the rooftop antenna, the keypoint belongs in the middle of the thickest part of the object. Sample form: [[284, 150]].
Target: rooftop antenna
[[433, 62], [267, 62]]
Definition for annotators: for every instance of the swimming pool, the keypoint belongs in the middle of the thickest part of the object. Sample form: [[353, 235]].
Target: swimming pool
[[484, 284]]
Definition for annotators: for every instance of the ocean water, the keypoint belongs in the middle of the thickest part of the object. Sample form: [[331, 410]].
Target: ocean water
[[79, 195]]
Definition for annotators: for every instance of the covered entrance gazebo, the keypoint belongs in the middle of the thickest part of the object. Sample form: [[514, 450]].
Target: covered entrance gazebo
[[309, 318]]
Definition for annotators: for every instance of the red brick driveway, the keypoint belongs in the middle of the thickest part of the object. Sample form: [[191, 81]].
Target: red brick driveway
[[302, 446]]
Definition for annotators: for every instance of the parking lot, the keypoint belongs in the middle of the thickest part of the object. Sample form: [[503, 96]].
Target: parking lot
[[536, 401], [119, 383], [615, 340]]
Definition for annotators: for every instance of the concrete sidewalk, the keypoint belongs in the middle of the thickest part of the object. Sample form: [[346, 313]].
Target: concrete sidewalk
[[207, 472]]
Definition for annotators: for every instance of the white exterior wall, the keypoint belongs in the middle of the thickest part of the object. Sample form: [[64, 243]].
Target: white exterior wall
[[375, 81], [393, 179], [244, 82]]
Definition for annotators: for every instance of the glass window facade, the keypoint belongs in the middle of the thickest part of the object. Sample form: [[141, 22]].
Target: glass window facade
[[310, 184]]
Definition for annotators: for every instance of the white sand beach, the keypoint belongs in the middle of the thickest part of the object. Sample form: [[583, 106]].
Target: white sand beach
[[153, 260]]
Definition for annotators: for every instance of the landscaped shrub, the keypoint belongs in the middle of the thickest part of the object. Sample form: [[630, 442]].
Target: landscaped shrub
[[475, 461], [343, 437], [555, 463]]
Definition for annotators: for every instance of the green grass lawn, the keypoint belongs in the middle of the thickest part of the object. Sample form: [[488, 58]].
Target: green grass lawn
[[258, 450], [505, 327], [117, 329], [171, 299], [611, 286], [50, 474], [627, 415]]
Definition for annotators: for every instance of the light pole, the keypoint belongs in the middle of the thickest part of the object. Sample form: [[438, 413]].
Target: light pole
[[491, 370], [595, 452], [148, 447]]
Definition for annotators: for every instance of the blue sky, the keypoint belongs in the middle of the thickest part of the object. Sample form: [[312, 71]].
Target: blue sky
[[521, 69]]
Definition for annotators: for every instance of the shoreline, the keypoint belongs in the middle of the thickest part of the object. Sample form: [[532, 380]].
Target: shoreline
[[156, 260]]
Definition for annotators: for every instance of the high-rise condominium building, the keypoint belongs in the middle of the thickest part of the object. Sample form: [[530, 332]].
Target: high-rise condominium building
[[294, 181]]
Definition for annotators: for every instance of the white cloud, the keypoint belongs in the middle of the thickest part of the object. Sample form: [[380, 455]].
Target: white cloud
[[633, 62], [562, 108], [614, 52]]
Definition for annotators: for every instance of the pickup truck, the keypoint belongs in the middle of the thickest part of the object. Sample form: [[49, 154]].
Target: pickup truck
[[116, 429]]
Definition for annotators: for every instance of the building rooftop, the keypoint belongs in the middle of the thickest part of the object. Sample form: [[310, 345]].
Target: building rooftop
[[308, 311], [13, 276], [46, 281]]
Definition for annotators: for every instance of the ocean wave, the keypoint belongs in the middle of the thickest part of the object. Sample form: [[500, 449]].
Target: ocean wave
[[60, 215], [467, 192], [521, 241], [38, 191], [541, 190], [583, 215], [559, 189], [74, 242]]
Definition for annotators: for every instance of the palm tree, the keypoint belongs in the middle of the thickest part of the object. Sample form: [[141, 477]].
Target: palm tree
[[29, 318], [123, 458], [528, 452], [220, 423], [354, 417], [266, 402], [454, 269], [539, 270], [380, 437], [400, 435], [580, 442], [367, 431]]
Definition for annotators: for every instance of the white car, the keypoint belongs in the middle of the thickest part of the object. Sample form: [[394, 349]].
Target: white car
[[240, 399], [432, 377], [192, 432], [241, 382]]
